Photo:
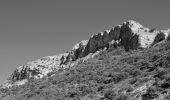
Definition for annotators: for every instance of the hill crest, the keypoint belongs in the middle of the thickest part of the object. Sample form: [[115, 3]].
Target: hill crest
[[131, 35]]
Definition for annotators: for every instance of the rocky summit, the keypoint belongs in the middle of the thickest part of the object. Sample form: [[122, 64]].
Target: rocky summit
[[131, 35], [127, 62]]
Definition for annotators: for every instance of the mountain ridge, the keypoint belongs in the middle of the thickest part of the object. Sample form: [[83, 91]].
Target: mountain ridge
[[131, 35]]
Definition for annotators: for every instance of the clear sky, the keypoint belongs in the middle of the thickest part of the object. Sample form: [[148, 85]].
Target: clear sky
[[31, 29]]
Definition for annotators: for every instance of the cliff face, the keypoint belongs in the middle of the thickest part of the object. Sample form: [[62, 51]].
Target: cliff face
[[130, 35]]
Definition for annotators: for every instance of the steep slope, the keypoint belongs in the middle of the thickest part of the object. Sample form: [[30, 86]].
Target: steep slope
[[131, 35], [112, 74]]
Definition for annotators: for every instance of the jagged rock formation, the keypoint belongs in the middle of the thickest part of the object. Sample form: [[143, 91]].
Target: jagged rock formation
[[130, 35]]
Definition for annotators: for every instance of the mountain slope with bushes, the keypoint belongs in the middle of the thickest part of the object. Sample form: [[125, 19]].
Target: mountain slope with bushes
[[133, 66]]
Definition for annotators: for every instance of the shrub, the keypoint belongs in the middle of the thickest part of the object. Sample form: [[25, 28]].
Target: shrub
[[110, 95]]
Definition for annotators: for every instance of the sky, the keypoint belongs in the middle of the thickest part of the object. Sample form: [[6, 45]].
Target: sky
[[32, 29]]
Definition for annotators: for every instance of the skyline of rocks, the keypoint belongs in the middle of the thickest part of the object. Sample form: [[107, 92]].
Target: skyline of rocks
[[131, 35]]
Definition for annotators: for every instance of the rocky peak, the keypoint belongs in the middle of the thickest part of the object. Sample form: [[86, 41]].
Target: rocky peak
[[80, 44], [130, 35], [135, 26]]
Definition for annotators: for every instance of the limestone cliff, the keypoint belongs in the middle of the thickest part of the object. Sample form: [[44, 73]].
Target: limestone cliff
[[130, 35]]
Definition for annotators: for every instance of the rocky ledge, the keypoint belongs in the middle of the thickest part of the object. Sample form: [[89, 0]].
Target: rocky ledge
[[130, 35]]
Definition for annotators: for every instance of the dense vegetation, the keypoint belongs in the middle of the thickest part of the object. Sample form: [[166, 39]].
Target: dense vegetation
[[114, 74]]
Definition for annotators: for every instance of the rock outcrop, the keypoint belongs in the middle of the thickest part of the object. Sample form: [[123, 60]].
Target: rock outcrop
[[130, 35]]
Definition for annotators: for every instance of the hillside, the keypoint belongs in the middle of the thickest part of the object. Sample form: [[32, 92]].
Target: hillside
[[128, 62]]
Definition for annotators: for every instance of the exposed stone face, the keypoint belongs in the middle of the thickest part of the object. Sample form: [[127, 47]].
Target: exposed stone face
[[159, 37], [134, 36], [166, 33], [130, 35], [78, 49], [115, 32], [40, 67], [101, 40]]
